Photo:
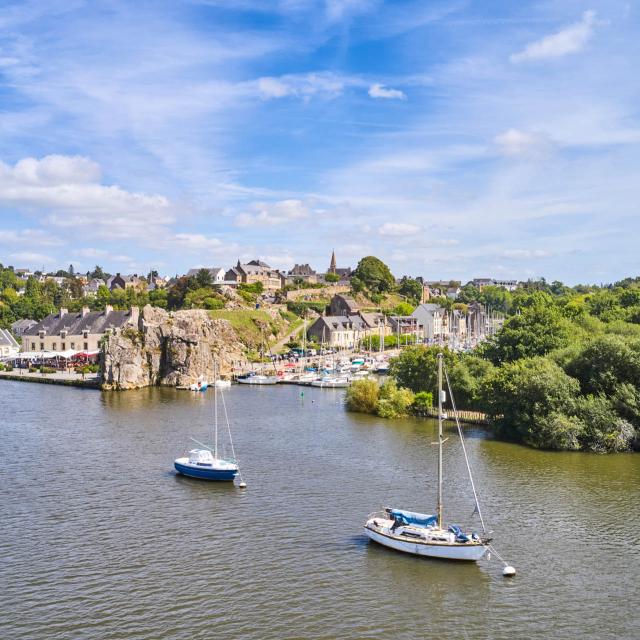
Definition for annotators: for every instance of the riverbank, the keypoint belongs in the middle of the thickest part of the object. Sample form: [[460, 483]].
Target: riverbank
[[89, 381]]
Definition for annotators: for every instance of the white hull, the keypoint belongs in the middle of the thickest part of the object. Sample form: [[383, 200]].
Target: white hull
[[330, 384], [258, 380], [469, 552], [222, 384]]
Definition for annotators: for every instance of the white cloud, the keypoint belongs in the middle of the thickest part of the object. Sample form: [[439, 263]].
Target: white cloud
[[569, 40], [273, 213], [305, 85], [30, 237], [526, 254], [380, 91], [398, 229], [194, 242], [514, 142], [67, 188], [32, 258]]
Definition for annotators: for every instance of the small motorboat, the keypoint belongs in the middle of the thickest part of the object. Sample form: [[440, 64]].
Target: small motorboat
[[257, 378], [331, 382], [202, 464], [200, 385], [222, 384]]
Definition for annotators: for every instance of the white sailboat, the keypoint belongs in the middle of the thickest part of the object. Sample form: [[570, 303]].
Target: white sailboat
[[426, 534]]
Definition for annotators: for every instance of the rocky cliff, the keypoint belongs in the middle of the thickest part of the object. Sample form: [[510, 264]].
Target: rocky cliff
[[165, 348]]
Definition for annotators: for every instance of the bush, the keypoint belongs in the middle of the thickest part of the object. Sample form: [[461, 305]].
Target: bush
[[2, 367], [423, 401], [393, 402], [362, 396], [604, 430]]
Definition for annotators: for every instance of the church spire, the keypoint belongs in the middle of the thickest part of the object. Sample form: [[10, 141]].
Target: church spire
[[332, 266]]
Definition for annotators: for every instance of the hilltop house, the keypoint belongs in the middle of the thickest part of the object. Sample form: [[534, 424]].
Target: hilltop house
[[126, 282], [481, 283], [91, 288], [254, 271], [8, 345], [217, 274], [299, 272], [341, 305], [76, 331]]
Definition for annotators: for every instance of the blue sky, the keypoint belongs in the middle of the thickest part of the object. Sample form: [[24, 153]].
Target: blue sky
[[452, 139]]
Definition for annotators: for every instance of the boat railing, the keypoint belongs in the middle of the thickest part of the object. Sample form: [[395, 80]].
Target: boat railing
[[382, 514]]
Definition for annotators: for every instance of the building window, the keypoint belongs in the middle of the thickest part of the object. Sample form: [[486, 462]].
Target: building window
[[85, 335], [63, 346], [33, 346], [73, 345], [54, 346], [42, 346], [86, 346]]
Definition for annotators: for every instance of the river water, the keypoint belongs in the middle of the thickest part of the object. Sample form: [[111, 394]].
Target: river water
[[99, 539]]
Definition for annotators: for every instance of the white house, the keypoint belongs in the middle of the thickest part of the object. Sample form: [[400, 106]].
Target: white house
[[217, 274], [9, 346]]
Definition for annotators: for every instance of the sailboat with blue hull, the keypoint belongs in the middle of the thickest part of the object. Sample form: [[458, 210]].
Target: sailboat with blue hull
[[205, 463]]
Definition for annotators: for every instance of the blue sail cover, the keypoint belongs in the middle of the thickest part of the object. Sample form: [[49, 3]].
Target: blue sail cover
[[410, 517]]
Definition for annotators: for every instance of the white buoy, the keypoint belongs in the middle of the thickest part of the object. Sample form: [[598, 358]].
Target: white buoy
[[243, 485], [509, 571]]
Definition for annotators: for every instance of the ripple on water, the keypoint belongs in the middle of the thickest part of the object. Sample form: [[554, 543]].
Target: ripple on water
[[101, 540]]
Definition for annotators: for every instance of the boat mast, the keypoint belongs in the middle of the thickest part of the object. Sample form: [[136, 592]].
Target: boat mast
[[440, 356], [215, 410]]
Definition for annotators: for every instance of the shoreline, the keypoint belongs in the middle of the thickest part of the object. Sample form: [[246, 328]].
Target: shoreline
[[48, 378]]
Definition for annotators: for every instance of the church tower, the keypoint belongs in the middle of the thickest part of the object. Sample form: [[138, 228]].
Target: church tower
[[332, 266]]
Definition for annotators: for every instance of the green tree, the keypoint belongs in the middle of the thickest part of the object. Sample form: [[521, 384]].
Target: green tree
[[523, 399], [203, 278], [538, 330], [331, 277], [411, 289], [362, 396], [375, 275], [605, 363], [393, 401]]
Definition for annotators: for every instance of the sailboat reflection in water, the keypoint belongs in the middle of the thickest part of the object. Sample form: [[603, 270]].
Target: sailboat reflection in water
[[205, 463], [427, 535]]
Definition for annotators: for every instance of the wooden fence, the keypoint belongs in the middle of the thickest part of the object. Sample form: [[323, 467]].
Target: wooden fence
[[473, 417]]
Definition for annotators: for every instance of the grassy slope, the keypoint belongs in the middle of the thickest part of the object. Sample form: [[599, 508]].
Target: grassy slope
[[248, 325]]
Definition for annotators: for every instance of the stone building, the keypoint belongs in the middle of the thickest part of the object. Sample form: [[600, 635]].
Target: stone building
[[254, 271], [81, 331]]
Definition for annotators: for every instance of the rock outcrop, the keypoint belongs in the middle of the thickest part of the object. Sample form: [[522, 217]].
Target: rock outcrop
[[170, 349]]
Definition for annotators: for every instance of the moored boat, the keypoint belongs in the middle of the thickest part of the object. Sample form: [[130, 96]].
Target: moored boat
[[426, 534], [331, 382], [203, 464], [257, 378]]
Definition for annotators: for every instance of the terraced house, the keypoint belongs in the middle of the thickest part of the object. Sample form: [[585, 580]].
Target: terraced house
[[76, 331]]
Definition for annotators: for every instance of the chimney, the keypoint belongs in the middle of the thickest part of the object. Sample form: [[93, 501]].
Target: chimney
[[108, 309], [63, 312], [85, 311]]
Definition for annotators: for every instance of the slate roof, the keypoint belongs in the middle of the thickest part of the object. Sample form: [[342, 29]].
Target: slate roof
[[75, 324], [20, 326], [214, 271], [343, 323], [7, 340]]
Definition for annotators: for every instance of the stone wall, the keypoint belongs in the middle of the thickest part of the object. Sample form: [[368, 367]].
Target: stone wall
[[168, 349], [325, 292]]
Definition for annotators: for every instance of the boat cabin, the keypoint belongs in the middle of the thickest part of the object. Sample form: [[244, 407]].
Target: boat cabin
[[201, 457]]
